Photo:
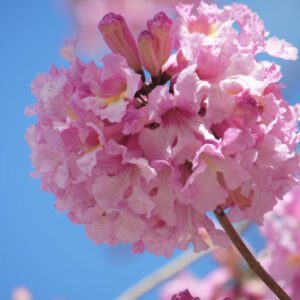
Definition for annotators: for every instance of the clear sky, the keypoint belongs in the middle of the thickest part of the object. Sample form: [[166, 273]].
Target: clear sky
[[40, 248]]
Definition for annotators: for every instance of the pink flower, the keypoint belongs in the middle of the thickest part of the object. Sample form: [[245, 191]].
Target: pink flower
[[143, 160], [160, 28], [282, 254], [111, 88], [281, 48], [118, 37], [185, 295]]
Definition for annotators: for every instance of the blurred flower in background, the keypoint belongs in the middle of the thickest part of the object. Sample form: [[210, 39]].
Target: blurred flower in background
[[232, 279], [21, 293], [282, 233]]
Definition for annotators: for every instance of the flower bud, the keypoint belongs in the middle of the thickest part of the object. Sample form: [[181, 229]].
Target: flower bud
[[119, 39], [160, 28], [147, 53]]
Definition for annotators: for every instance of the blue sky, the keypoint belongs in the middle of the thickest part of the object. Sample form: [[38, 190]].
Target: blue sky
[[40, 248]]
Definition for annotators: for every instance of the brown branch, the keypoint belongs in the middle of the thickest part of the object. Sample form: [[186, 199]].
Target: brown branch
[[248, 256], [146, 89]]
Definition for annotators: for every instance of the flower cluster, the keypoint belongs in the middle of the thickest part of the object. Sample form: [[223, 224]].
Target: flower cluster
[[141, 158], [232, 279], [282, 255]]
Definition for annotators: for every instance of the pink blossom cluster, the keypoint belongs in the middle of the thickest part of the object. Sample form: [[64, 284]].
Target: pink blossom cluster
[[141, 157], [232, 280], [282, 232]]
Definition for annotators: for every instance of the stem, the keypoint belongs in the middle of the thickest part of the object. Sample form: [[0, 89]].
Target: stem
[[146, 89], [169, 270], [248, 256]]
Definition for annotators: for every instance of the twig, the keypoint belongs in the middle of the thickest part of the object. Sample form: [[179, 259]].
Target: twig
[[168, 271], [248, 256]]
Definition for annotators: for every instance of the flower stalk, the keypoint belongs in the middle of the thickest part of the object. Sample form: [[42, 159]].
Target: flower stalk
[[248, 256]]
